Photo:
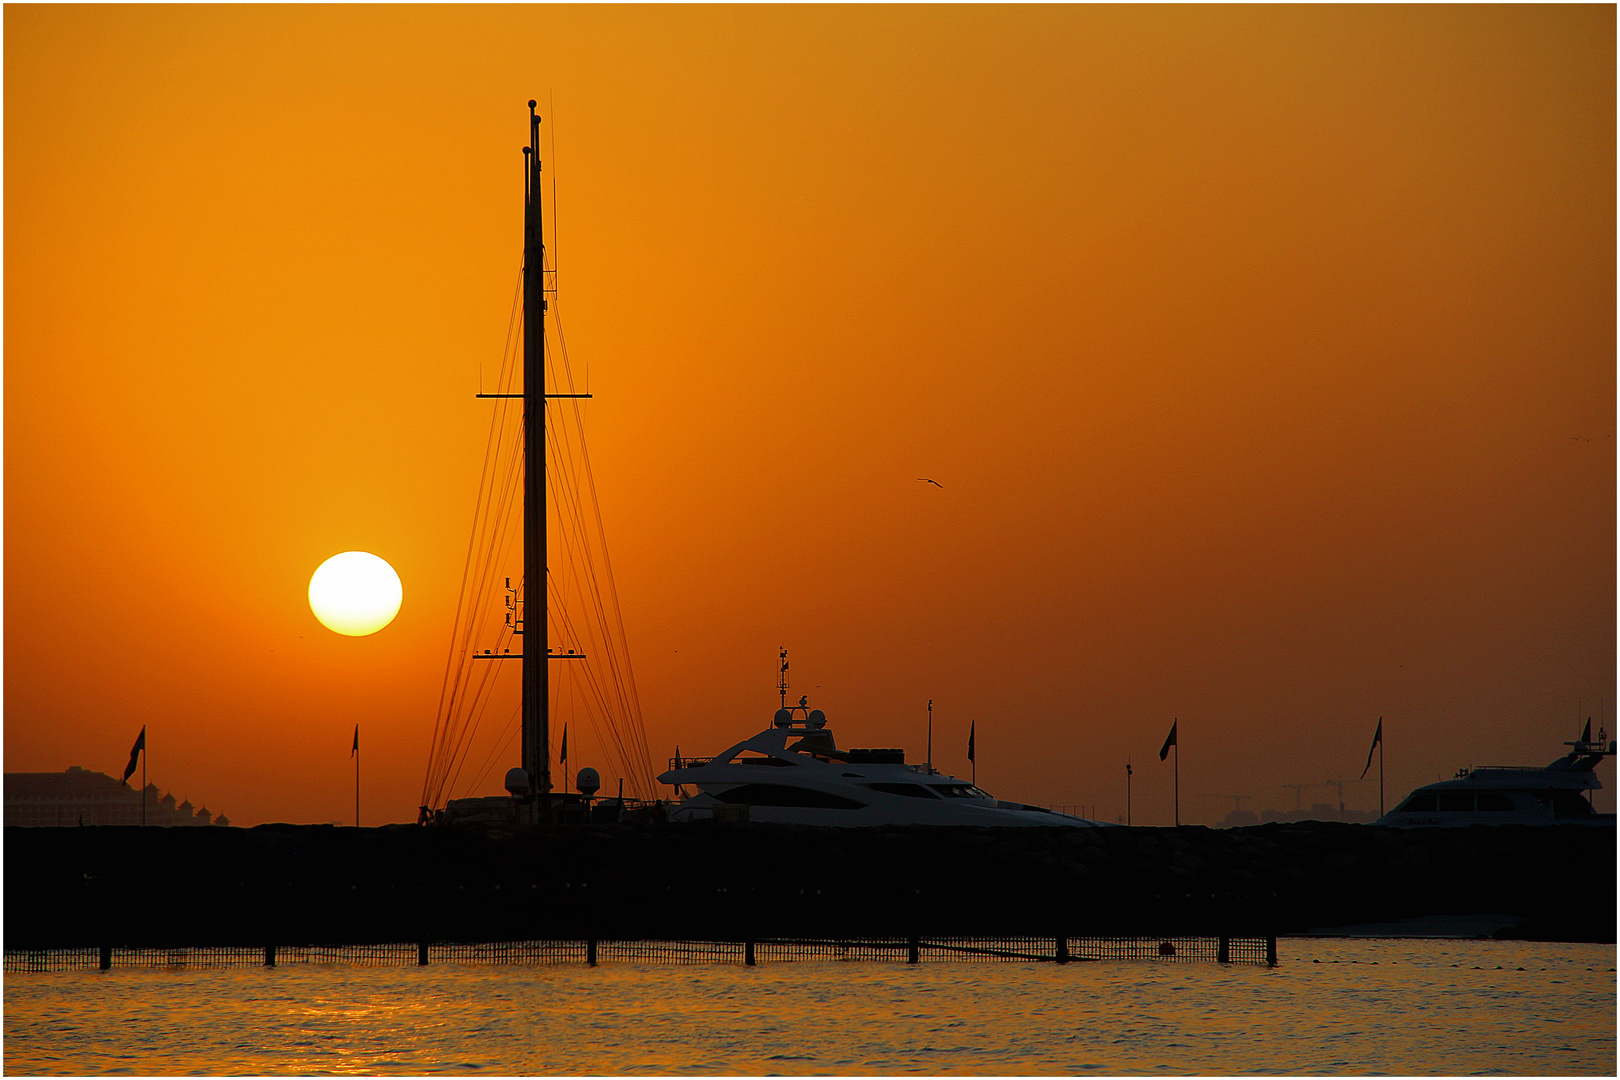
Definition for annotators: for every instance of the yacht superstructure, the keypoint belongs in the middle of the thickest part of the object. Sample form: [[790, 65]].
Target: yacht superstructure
[[794, 773]]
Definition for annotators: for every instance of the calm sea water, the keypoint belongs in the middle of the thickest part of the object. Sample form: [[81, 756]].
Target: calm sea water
[[1332, 1006]]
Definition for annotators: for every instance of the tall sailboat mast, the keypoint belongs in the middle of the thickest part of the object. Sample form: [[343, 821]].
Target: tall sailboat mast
[[531, 787], [536, 638]]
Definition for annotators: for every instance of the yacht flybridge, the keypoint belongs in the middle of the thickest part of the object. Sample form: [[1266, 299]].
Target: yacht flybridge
[[1495, 795], [794, 773]]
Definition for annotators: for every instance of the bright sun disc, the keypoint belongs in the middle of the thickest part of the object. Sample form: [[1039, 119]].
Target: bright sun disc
[[355, 593]]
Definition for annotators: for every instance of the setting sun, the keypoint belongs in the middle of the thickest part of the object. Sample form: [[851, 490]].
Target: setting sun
[[355, 593]]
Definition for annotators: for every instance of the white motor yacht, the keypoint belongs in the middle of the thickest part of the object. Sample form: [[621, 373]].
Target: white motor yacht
[[793, 773], [1497, 795]]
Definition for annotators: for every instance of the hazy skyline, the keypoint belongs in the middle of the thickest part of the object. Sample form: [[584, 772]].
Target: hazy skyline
[[1265, 356]]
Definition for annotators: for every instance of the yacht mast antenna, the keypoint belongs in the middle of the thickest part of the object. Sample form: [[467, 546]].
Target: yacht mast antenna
[[782, 677], [930, 765], [536, 684]]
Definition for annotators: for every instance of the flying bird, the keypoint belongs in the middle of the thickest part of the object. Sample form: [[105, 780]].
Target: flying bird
[[936, 483]]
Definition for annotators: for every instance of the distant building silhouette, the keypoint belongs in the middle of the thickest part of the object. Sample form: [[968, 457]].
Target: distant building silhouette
[[81, 797], [1318, 812]]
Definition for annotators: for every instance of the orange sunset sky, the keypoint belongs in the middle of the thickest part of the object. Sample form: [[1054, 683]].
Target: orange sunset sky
[[1266, 356]]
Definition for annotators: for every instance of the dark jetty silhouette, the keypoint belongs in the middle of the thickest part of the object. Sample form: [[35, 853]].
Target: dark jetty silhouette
[[321, 884]]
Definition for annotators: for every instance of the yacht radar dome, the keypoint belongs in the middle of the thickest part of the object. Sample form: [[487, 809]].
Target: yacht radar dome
[[816, 719], [587, 781], [783, 718], [517, 782]]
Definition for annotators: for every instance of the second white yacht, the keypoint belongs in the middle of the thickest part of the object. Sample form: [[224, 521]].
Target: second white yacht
[[1559, 793]]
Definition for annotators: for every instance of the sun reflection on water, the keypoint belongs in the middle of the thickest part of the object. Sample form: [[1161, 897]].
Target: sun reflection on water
[[1333, 1006]]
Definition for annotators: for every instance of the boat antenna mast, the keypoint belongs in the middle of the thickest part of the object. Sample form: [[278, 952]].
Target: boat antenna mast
[[929, 767], [785, 713]]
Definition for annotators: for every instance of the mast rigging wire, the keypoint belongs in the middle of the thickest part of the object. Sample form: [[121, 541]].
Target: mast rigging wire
[[471, 578], [602, 684]]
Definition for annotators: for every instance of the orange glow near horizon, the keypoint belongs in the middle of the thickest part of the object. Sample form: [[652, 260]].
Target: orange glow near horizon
[[1265, 356]]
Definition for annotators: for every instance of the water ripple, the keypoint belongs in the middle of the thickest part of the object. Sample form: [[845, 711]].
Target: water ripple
[[1333, 1007]]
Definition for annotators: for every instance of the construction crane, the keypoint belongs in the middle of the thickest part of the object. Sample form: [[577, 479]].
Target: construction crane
[[1339, 784], [1238, 816], [1298, 788], [1237, 800]]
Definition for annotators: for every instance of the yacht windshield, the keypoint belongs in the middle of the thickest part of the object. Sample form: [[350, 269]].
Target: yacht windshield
[[911, 791], [960, 791], [1565, 803], [1420, 802]]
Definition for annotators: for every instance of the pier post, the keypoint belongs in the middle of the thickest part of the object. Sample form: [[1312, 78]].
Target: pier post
[[269, 956], [913, 947], [1063, 950], [590, 952], [748, 953], [1271, 950], [421, 954], [106, 957], [1224, 956]]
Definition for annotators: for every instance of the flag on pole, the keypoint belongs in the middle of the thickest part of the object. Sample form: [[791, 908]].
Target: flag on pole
[[355, 749], [971, 724], [1586, 734], [134, 754], [1378, 737], [1169, 741], [563, 757]]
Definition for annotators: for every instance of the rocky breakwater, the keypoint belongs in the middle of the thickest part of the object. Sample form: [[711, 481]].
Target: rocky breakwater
[[291, 884]]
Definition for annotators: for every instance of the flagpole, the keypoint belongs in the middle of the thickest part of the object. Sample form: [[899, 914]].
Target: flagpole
[[1171, 742], [357, 776], [144, 756], [1127, 791], [930, 736]]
